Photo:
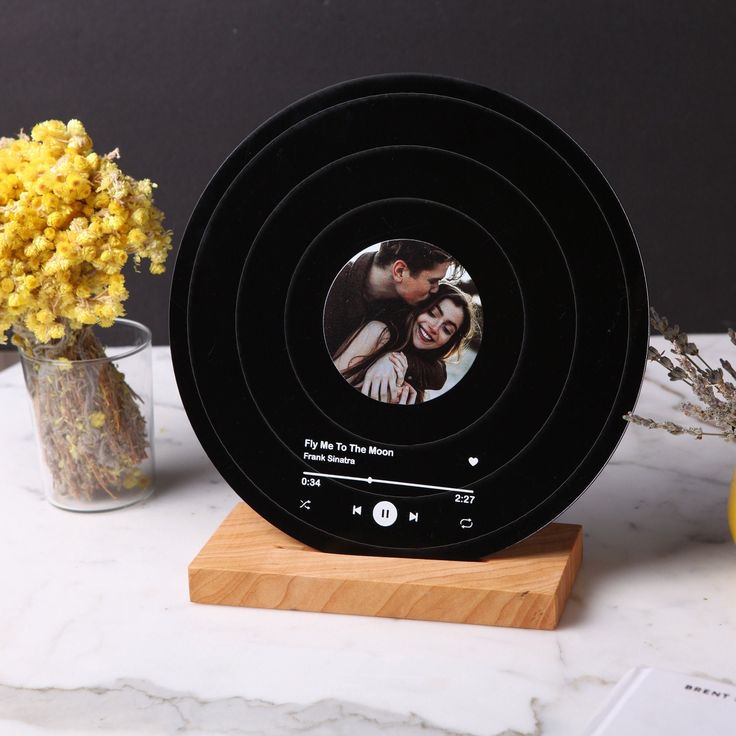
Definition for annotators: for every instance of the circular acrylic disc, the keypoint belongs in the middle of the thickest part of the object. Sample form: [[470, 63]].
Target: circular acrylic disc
[[556, 269]]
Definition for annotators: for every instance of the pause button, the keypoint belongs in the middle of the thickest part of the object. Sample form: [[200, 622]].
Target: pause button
[[385, 513]]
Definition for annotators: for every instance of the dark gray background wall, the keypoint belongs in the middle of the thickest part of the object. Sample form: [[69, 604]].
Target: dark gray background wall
[[647, 88]]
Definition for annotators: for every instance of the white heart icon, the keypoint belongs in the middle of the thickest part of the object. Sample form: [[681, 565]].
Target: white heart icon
[[473, 461]]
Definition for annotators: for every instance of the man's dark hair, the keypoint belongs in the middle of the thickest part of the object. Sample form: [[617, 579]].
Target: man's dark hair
[[418, 256]]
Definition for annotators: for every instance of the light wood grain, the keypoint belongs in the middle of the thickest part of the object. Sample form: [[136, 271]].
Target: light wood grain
[[248, 562]]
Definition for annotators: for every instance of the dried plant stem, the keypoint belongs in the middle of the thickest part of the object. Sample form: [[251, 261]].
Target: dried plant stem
[[717, 395], [674, 428], [91, 429]]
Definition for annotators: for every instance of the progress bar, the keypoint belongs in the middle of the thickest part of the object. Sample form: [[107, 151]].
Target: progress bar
[[370, 480]]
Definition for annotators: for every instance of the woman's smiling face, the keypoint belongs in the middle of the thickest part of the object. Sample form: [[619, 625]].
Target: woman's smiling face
[[435, 327]]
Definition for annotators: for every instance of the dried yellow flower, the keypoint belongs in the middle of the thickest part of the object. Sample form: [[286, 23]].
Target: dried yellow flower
[[97, 419], [69, 221]]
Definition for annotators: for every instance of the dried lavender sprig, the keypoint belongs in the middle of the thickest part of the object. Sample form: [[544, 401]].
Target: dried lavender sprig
[[704, 387], [687, 352], [674, 373], [701, 379], [678, 338], [705, 392], [673, 428], [704, 382], [708, 416], [728, 368]]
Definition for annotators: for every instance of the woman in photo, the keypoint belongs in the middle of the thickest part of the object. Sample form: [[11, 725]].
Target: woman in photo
[[434, 331]]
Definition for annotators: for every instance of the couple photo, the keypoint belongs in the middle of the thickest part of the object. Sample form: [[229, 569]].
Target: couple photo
[[402, 322]]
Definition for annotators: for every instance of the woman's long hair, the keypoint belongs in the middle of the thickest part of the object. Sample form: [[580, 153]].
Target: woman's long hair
[[398, 335]]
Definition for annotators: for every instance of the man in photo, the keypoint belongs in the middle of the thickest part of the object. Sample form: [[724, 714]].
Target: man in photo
[[383, 284]]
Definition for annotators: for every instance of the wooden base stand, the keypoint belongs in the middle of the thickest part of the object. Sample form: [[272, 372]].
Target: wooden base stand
[[248, 562]]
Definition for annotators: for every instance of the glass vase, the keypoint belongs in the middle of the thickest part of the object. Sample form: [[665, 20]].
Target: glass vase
[[93, 416]]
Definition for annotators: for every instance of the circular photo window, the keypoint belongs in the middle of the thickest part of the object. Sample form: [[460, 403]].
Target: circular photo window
[[402, 322]]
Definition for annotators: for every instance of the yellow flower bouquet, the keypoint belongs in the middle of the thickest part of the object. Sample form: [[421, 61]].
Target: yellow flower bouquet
[[70, 220]]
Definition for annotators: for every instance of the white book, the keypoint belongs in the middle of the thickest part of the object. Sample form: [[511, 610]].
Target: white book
[[648, 702]]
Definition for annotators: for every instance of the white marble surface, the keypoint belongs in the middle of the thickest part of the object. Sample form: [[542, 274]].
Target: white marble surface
[[97, 634]]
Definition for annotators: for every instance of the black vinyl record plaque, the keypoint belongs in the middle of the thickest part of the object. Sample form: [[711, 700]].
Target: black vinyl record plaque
[[437, 232]]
